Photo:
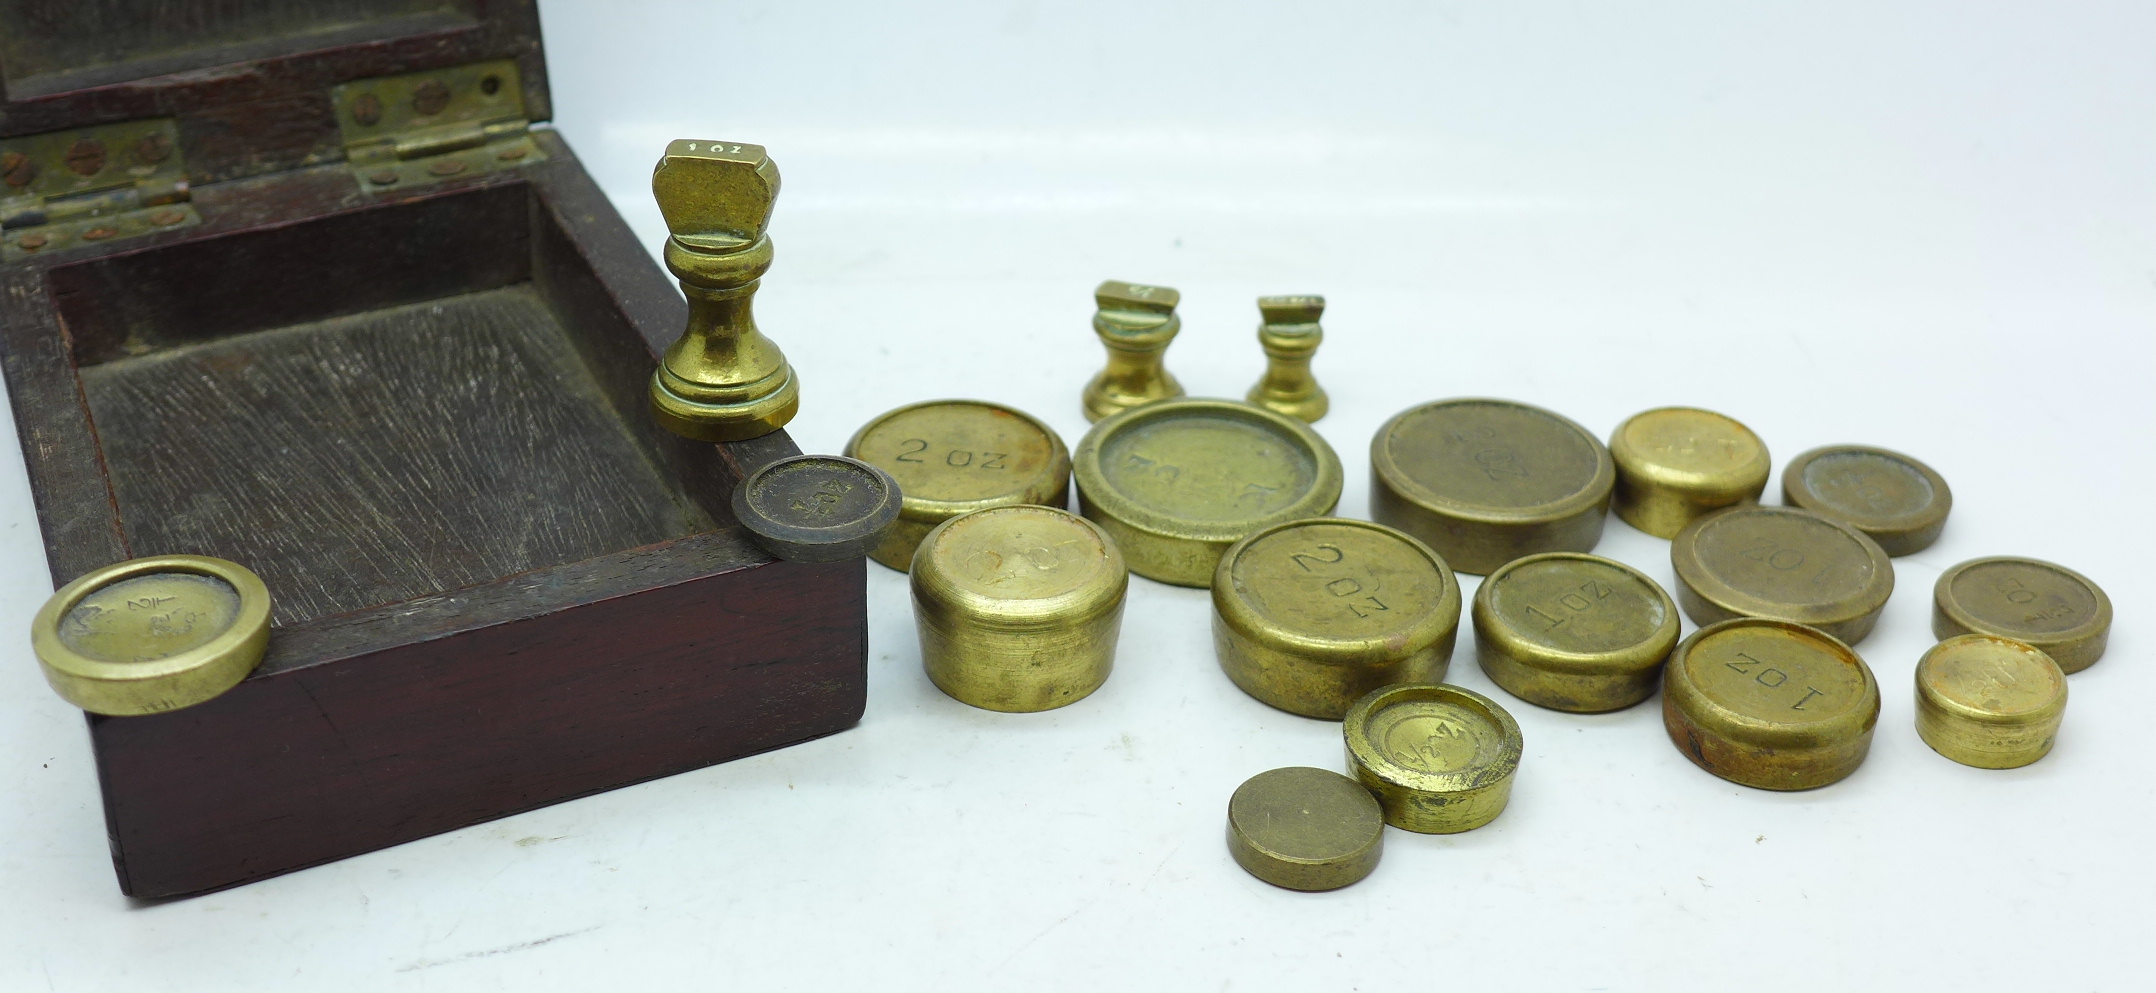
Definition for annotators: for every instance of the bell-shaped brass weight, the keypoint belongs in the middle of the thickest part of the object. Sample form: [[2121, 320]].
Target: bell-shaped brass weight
[[1136, 322], [1290, 336], [723, 380]]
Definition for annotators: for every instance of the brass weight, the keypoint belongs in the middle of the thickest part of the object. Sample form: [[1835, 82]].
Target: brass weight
[[1308, 616], [1135, 322], [153, 634], [1781, 563], [1305, 829], [1896, 500], [1487, 481], [1572, 631], [1018, 608], [1992, 703], [1770, 704], [953, 457], [1439, 758], [1677, 463], [1290, 336], [1177, 481], [722, 380], [2049, 606]]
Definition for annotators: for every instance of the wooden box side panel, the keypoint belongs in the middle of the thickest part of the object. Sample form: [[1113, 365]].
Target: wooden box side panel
[[311, 764]]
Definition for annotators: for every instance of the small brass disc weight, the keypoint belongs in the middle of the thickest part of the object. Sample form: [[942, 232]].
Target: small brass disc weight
[[1992, 703], [1900, 502], [1439, 758], [1784, 564], [1770, 704], [2049, 606], [1305, 829], [1676, 463], [1572, 631], [1487, 481], [153, 634], [954, 457], [1175, 482], [817, 508]]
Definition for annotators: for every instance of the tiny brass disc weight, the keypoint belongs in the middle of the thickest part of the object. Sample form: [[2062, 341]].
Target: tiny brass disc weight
[[1676, 463], [1177, 481], [1487, 481], [954, 457], [1309, 616], [1572, 631], [1770, 704], [1900, 502], [1439, 758], [1018, 608], [1992, 703], [1305, 829], [153, 634], [2049, 606], [1784, 564], [817, 508]]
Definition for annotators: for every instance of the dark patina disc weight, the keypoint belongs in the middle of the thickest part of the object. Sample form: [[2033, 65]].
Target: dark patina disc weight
[[817, 508]]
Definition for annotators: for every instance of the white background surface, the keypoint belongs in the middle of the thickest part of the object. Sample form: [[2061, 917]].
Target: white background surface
[[1925, 226]]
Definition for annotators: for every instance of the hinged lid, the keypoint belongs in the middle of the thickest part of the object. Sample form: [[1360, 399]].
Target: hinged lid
[[247, 84]]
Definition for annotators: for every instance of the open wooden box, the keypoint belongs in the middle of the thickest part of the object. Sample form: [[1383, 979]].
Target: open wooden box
[[411, 397]]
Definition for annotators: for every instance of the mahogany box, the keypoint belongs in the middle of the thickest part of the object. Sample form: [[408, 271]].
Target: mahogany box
[[297, 283]]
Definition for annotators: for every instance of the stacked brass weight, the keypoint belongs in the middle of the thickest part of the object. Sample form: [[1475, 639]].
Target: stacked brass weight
[[1677, 463], [1135, 322], [152, 634], [1308, 616], [1572, 631], [953, 457], [1487, 481], [1177, 481], [1290, 336], [1784, 564], [1440, 759], [722, 380], [1770, 704], [1992, 703], [1018, 608]]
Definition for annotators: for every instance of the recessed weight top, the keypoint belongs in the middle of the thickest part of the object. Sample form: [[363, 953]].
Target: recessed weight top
[[817, 508], [1770, 704], [152, 634], [1896, 500], [1781, 563], [953, 457], [1572, 631], [2049, 606], [1439, 758], [1487, 481]]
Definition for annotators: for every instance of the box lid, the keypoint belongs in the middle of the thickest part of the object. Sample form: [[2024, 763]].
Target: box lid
[[247, 82]]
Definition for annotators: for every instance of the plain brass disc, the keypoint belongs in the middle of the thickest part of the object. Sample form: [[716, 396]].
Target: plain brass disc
[[1305, 829]]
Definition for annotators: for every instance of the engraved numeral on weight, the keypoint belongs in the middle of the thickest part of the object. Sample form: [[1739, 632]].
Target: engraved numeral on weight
[[1770, 677], [1343, 587], [1316, 555], [911, 449], [1590, 593], [823, 502]]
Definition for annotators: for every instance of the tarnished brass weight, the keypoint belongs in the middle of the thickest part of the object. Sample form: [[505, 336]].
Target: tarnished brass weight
[[2048, 606], [1439, 758], [1136, 323], [1290, 336], [1770, 704], [722, 380], [1018, 608], [1784, 564], [1992, 703], [1488, 481], [1896, 500], [1677, 463], [1178, 481], [954, 457], [1572, 631], [153, 634], [1305, 829], [1309, 616]]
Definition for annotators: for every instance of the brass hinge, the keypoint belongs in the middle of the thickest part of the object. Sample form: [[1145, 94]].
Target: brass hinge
[[425, 127], [86, 185]]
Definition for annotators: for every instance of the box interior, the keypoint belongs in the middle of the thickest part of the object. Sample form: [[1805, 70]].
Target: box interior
[[378, 405]]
